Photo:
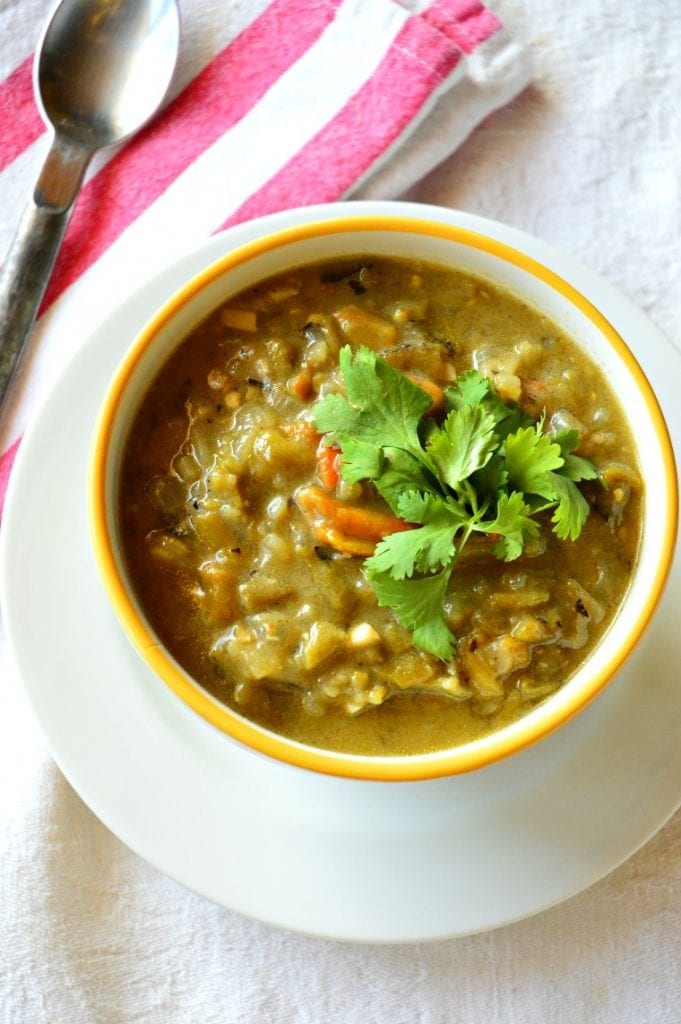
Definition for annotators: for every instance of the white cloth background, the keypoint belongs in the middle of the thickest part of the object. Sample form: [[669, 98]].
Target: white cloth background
[[587, 158]]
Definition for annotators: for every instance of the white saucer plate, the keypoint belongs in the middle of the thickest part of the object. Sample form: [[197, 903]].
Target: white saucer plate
[[372, 862]]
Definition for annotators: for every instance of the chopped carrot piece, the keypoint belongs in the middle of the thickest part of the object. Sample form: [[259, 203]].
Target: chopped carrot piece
[[350, 520], [328, 465], [328, 457], [341, 542], [433, 390], [301, 385]]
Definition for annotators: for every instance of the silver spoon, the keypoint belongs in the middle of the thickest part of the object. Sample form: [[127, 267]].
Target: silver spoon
[[102, 69]]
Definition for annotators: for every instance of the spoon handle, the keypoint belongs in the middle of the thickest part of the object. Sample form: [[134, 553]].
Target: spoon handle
[[33, 251]]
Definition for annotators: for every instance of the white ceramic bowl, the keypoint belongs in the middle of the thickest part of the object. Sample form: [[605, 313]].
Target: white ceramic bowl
[[360, 231]]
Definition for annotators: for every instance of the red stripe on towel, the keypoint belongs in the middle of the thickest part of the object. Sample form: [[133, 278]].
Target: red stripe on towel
[[466, 22], [20, 122], [419, 59], [151, 162], [6, 463]]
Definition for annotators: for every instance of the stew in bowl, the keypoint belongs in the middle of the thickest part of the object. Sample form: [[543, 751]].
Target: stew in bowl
[[376, 509]]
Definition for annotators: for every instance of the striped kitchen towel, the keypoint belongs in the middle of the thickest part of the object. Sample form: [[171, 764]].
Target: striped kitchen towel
[[275, 105]]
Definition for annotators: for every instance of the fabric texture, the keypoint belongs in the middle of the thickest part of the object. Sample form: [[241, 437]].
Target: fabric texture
[[586, 158]]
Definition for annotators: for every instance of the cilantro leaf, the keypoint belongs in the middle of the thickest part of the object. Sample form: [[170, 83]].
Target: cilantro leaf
[[567, 439], [470, 389], [514, 524], [529, 455], [426, 549], [512, 423], [401, 472], [383, 408], [575, 467], [473, 389], [578, 468], [488, 468], [359, 460], [572, 509], [491, 478], [425, 508], [418, 604], [464, 444]]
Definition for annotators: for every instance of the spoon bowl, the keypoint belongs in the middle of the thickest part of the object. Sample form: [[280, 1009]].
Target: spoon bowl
[[104, 69]]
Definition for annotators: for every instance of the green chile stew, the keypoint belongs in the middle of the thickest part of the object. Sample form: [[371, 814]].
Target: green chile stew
[[250, 538]]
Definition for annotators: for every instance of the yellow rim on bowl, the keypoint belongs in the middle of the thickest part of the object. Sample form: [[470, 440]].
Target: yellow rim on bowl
[[457, 760]]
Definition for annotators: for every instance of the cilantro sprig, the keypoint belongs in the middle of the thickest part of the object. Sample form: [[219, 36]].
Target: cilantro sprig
[[488, 468]]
